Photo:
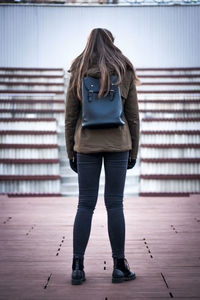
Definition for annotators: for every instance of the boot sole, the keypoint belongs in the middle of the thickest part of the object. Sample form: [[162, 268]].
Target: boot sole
[[77, 281], [122, 279]]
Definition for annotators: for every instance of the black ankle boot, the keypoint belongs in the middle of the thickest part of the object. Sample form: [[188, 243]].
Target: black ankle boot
[[121, 271], [78, 274]]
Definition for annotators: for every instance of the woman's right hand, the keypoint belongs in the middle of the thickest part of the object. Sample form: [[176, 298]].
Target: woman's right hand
[[131, 163]]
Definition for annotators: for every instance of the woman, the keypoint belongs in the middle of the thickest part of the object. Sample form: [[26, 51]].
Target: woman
[[86, 148]]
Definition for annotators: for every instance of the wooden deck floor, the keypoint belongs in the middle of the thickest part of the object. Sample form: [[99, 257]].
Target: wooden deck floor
[[162, 247]]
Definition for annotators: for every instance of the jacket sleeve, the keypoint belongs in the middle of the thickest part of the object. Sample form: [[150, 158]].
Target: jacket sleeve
[[72, 110], [132, 115]]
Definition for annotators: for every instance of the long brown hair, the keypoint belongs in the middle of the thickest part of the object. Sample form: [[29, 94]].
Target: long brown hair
[[100, 49]]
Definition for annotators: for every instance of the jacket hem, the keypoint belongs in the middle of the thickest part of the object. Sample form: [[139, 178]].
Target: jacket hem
[[89, 150]]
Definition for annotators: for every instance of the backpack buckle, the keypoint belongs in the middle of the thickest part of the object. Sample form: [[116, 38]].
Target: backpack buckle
[[111, 94], [90, 95]]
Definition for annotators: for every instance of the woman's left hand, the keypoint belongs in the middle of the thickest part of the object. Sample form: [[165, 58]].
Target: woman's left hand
[[73, 163]]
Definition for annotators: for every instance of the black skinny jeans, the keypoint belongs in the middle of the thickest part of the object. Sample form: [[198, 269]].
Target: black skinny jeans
[[89, 169]]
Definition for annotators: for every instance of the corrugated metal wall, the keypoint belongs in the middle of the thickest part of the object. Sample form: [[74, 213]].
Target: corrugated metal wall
[[52, 35]]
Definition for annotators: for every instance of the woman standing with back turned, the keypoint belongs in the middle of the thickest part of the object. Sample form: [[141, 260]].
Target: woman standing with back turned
[[86, 147]]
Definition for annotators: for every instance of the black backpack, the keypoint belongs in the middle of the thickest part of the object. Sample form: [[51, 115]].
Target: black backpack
[[103, 112]]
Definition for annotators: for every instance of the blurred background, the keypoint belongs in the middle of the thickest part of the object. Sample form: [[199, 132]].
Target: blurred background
[[39, 40]]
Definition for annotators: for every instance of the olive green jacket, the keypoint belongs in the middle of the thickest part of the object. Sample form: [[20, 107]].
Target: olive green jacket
[[87, 140]]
